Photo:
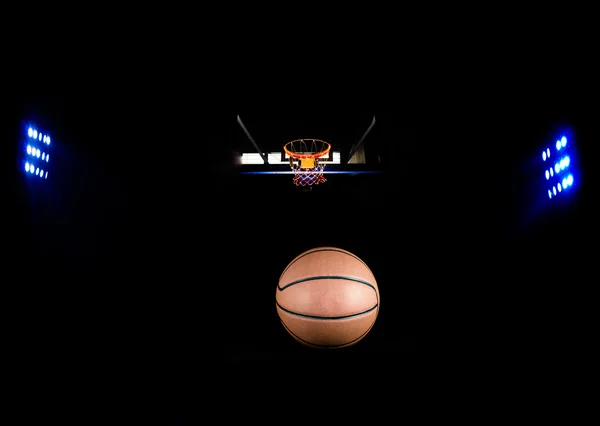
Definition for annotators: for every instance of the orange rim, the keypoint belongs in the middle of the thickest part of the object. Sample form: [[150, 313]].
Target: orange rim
[[307, 155]]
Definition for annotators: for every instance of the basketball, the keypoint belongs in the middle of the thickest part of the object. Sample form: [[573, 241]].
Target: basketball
[[327, 298]]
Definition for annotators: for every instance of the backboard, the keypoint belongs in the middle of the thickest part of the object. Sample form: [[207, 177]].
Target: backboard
[[346, 146]]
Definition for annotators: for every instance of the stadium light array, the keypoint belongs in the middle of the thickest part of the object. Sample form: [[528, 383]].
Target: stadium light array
[[36, 152], [559, 169]]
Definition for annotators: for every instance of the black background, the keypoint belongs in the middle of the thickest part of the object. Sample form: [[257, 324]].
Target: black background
[[162, 276]]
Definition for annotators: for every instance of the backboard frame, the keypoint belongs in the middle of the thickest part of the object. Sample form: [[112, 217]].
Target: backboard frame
[[335, 161]]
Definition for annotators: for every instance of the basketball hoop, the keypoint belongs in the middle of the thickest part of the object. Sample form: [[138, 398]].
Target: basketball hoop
[[304, 157]]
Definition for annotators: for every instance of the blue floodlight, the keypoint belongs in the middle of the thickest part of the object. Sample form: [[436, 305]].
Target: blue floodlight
[[559, 168], [36, 151]]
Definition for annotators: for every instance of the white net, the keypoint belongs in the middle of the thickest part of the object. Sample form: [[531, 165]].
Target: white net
[[308, 176]]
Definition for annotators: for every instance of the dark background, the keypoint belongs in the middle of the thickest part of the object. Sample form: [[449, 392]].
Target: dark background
[[146, 252]]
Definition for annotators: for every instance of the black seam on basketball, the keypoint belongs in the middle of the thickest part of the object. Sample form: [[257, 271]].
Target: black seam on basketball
[[320, 250], [317, 317], [327, 346], [335, 277], [325, 277]]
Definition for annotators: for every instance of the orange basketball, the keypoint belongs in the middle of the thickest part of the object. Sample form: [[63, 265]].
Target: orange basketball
[[327, 298]]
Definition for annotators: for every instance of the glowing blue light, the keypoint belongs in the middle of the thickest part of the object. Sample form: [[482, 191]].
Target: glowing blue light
[[330, 172], [35, 153], [559, 175]]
